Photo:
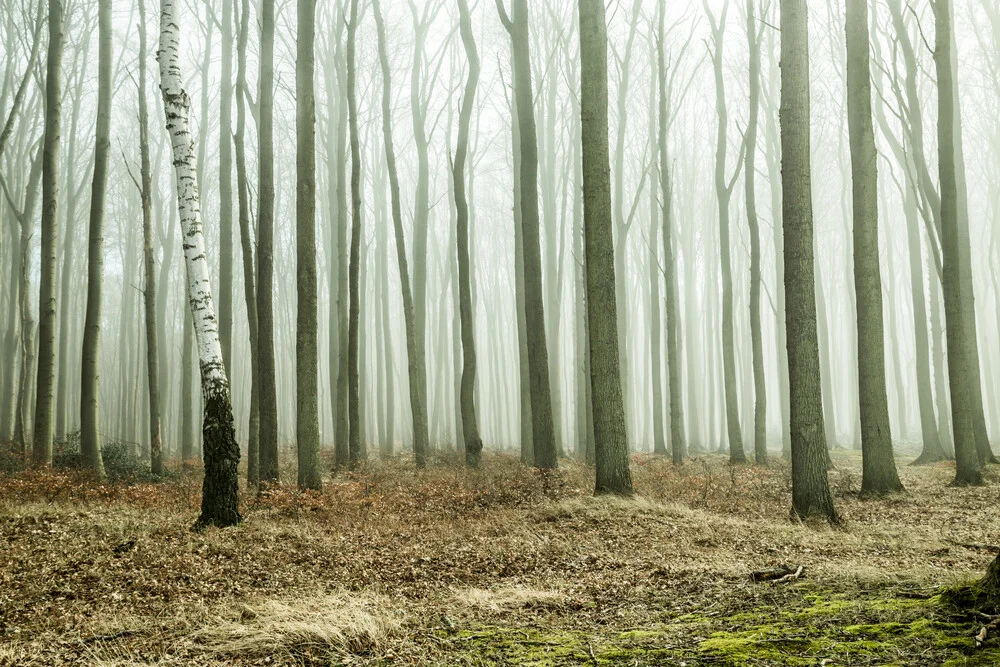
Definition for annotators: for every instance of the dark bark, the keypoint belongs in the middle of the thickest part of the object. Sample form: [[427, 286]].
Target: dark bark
[[610, 436], [879, 475], [415, 354], [470, 423], [306, 324], [354, 314], [42, 433], [268, 398], [754, 32], [810, 488], [956, 315], [90, 438]]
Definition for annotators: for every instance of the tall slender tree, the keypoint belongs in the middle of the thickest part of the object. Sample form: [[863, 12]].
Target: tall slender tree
[[226, 187], [810, 487], [354, 315], [610, 436], [246, 244], [724, 193], [879, 475], [266, 374], [148, 259], [755, 30], [90, 437], [415, 354], [219, 500], [306, 343], [543, 436], [967, 469], [470, 423], [42, 434]]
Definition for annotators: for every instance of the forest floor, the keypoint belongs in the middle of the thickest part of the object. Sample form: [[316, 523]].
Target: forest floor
[[448, 567]]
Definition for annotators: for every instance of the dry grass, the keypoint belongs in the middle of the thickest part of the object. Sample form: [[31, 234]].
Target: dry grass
[[394, 565]]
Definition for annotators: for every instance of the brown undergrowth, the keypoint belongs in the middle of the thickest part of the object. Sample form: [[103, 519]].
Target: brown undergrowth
[[390, 565]]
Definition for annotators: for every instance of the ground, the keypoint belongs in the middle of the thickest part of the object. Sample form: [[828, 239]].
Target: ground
[[505, 566]]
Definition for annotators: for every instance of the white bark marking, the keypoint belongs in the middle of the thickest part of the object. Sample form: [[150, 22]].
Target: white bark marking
[[177, 107]]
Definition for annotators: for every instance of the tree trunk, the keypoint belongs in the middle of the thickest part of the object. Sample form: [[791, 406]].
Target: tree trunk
[[810, 488], [724, 193], [879, 475], [226, 188], [470, 424], [306, 325], [543, 436], [90, 438], [149, 260], [268, 398], [42, 433], [754, 32], [246, 244], [219, 502], [956, 315], [610, 436], [415, 354], [354, 315]]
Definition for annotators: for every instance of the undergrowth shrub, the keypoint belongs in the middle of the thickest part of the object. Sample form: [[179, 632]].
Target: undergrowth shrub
[[122, 464]]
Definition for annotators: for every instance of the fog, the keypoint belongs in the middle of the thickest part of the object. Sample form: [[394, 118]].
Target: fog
[[430, 93]]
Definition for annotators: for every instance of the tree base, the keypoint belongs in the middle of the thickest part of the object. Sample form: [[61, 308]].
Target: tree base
[[220, 491], [981, 596]]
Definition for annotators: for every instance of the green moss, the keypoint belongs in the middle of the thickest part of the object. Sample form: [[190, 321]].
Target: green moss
[[847, 629]]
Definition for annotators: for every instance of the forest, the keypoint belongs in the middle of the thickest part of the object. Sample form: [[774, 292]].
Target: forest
[[495, 332]]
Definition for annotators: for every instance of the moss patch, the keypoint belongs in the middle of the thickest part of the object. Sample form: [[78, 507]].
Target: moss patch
[[844, 629]]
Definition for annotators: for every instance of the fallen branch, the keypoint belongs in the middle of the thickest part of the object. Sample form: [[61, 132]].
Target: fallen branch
[[778, 575], [985, 630]]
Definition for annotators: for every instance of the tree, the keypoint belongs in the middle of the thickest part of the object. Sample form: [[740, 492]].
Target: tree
[[219, 500], [226, 188], [543, 436], [246, 244], [90, 438], [149, 261], [810, 487], [755, 30], [268, 398], [956, 316], [610, 436], [879, 475], [42, 434], [415, 354], [306, 352], [724, 193], [470, 424], [665, 117], [354, 314]]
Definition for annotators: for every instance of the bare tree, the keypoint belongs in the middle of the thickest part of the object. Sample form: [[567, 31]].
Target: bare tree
[[306, 344], [810, 487], [219, 501], [470, 423], [724, 193], [956, 315], [268, 399], [149, 261], [42, 433], [879, 475], [354, 316], [543, 436], [415, 354], [610, 436], [90, 438]]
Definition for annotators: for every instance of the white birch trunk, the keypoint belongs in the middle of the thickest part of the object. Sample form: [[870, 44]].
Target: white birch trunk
[[222, 454]]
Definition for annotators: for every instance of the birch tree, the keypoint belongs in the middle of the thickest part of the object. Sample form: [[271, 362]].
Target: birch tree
[[219, 501]]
